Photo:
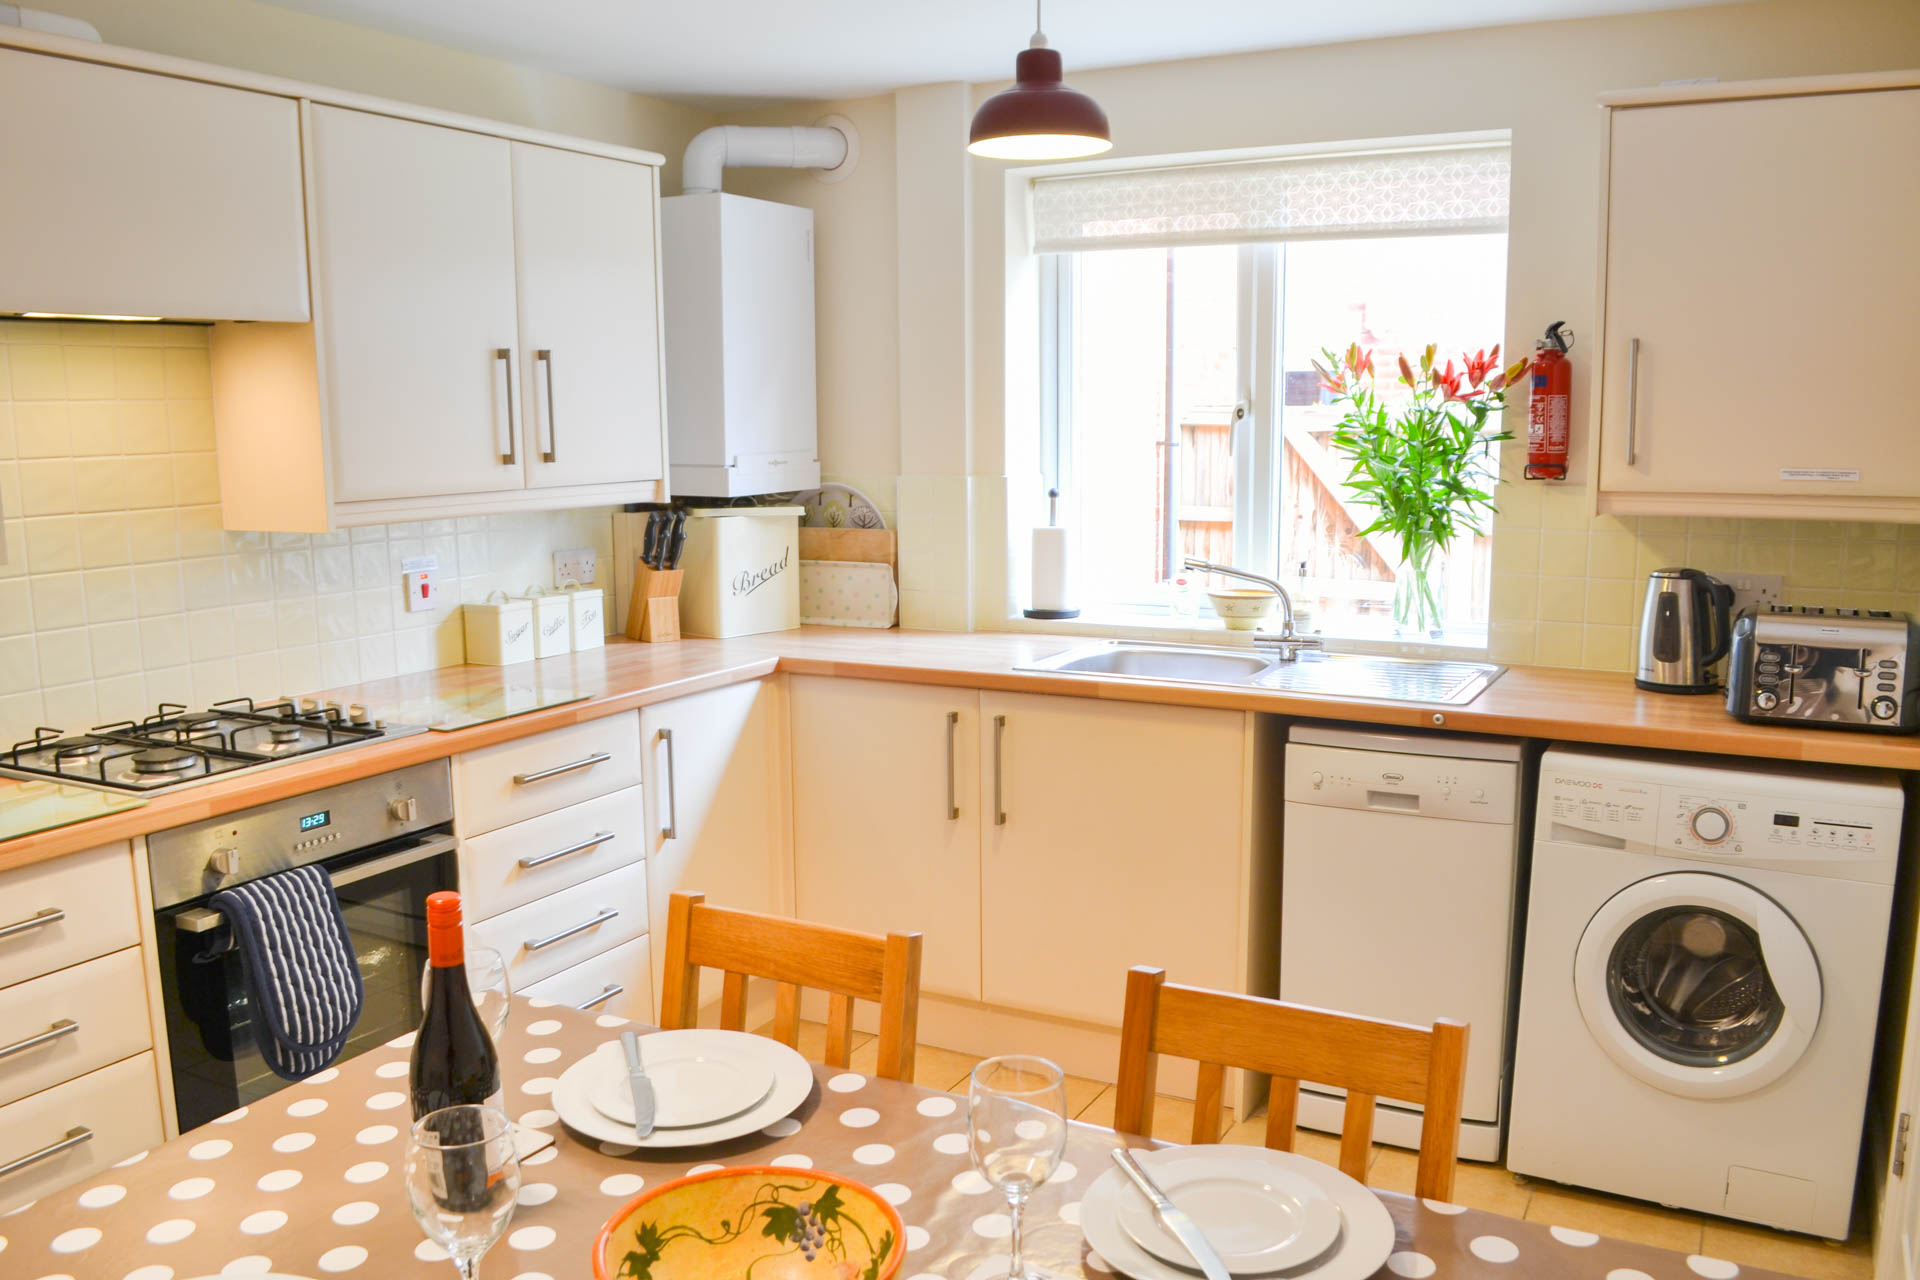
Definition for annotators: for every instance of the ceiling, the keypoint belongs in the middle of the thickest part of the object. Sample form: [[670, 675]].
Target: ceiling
[[723, 54]]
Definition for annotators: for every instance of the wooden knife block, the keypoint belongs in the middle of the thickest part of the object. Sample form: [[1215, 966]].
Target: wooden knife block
[[653, 613]]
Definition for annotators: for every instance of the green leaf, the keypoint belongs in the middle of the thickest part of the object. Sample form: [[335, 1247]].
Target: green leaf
[[827, 1207], [783, 1222]]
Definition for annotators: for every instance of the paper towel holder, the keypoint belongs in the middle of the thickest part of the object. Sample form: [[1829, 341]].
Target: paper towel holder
[[1050, 542]]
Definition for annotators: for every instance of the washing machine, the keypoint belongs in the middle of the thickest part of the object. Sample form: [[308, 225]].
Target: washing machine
[[1700, 982]]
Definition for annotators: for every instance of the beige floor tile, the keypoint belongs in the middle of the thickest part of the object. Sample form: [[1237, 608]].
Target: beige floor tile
[[1098, 1109], [813, 1041], [1252, 1132], [1081, 1093], [1793, 1254], [1611, 1216], [1478, 1186], [1172, 1117], [933, 1068]]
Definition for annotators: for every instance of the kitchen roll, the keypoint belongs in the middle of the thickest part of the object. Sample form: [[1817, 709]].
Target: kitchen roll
[[1052, 595]]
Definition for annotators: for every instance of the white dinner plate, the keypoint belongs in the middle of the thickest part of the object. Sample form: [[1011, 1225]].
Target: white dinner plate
[[1366, 1228], [693, 1084], [1259, 1219], [792, 1084]]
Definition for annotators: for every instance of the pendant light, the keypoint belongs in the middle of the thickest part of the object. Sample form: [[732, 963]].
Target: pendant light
[[1039, 118]]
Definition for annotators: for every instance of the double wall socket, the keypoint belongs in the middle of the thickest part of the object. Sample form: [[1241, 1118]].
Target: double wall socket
[[1754, 590], [577, 566]]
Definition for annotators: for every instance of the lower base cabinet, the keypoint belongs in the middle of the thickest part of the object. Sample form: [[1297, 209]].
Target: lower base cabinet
[[618, 981], [107, 1115]]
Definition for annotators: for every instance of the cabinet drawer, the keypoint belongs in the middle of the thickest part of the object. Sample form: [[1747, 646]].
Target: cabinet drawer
[[93, 894], [617, 901], [119, 1106], [93, 1014], [626, 970], [497, 786], [603, 835]]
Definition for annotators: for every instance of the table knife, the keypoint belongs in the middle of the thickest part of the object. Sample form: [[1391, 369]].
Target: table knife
[[1173, 1217], [643, 1087]]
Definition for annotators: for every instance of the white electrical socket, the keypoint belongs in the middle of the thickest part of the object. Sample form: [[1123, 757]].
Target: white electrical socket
[[1754, 590], [577, 564]]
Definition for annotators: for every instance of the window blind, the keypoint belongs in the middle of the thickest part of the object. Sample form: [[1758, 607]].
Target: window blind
[[1451, 190]]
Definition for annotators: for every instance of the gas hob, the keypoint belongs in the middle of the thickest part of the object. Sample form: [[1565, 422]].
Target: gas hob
[[176, 747]]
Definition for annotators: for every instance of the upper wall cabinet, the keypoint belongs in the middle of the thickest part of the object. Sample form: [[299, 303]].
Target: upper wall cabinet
[[485, 338], [132, 194], [1759, 262]]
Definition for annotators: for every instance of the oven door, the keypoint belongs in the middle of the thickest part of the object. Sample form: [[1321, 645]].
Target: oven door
[[383, 894]]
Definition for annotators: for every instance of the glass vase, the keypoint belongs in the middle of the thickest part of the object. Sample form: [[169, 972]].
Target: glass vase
[[1419, 600]]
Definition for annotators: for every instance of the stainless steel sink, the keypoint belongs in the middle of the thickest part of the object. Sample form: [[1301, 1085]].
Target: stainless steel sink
[[1334, 675]]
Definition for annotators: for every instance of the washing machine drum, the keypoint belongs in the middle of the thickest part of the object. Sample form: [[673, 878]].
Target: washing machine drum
[[1698, 984]]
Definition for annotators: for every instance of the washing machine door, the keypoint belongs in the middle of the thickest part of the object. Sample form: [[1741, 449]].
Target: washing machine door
[[1698, 984]]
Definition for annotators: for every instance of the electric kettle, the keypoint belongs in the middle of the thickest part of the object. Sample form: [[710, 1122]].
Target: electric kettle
[[1684, 629]]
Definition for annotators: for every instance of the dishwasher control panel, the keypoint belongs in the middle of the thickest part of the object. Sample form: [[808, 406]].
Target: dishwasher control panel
[[1390, 782]]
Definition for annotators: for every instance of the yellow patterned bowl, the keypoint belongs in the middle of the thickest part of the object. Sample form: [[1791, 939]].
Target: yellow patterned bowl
[[767, 1222]]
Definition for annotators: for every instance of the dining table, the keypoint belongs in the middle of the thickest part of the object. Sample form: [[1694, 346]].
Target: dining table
[[309, 1181]]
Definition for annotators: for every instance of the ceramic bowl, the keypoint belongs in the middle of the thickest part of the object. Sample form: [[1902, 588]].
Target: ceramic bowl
[[1242, 608], [768, 1222]]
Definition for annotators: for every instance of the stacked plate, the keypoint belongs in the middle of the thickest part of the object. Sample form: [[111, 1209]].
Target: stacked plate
[[1266, 1213], [709, 1086]]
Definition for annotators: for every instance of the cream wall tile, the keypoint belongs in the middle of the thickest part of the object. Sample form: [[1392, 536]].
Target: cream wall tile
[[104, 539], [59, 600], [139, 374], [254, 629], [102, 484], [200, 532], [210, 635], [249, 576], [19, 666], [196, 479], [257, 675], [64, 656], [157, 589], [7, 437], [39, 372], [163, 642], [42, 429], [204, 581], [109, 594], [1611, 553], [71, 705], [46, 486], [170, 684], [149, 481], [116, 648], [1611, 602], [52, 544], [187, 376], [142, 425], [119, 698], [300, 669], [16, 607], [1563, 599], [1608, 649], [89, 373], [213, 681], [1559, 644], [154, 535]]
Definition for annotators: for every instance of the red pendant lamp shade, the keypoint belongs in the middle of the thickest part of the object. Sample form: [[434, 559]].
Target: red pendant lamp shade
[[1039, 118]]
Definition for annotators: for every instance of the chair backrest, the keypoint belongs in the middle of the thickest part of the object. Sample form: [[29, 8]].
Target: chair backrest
[[1368, 1057], [846, 964]]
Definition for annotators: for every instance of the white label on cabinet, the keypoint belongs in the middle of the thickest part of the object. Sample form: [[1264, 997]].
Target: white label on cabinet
[[1825, 474]]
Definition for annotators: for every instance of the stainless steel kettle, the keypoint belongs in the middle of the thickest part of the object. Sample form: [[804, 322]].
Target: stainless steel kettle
[[1684, 629]]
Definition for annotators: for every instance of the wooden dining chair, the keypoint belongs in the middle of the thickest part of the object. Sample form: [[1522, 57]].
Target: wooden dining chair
[[844, 963], [1369, 1057]]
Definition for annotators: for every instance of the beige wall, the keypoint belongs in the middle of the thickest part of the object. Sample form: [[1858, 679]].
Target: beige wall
[[1568, 586], [274, 41]]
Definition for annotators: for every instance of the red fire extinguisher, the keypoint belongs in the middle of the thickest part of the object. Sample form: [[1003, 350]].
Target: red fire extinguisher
[[1551, 378]]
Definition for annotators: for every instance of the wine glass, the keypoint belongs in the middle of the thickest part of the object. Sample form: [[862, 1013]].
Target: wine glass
[[462, 1179], [487, 981], [1016, 1132]]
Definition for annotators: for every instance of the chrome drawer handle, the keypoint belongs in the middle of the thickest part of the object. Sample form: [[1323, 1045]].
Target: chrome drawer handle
[[1633, 396], [613, 989], [64, 1027], [38, 920], [75, 1136], [999, 753], [672, 830], [505, 356], [538, 944], [593, 841], [540, 775], [953, 800], [544, 356]]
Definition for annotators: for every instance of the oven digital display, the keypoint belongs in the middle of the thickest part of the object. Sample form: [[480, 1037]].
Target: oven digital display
[[314, 821]]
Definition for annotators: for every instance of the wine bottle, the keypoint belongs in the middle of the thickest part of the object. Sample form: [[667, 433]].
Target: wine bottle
[[454, 1059]]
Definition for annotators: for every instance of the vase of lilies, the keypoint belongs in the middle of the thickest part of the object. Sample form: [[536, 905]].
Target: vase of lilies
[[1421, 456]]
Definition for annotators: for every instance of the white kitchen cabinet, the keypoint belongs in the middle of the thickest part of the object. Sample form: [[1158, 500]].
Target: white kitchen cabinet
[[133, 194], [590, 336], [887, 816], [1758, 249], [740, 345], [716, 787], [414, 259], [1115, 834]]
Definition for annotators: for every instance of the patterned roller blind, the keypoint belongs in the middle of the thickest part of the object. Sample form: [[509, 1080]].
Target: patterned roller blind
[[1431, 191]]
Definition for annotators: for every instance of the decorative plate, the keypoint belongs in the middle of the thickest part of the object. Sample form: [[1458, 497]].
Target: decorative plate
[[839, 506], [763, 1221]]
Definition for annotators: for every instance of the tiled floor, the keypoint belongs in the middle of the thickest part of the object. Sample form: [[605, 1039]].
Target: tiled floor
[[1482, 1186]]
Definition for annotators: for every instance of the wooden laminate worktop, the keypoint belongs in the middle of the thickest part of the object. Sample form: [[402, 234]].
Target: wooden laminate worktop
[[1526, 702]]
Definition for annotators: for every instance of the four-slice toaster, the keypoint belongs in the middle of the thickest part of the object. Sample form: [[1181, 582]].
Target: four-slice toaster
[[1826, 668]]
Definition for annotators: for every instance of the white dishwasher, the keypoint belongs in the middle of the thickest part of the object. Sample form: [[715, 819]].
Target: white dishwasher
[[1398, 875]]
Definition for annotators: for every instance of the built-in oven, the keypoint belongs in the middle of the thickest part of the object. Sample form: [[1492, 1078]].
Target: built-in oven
[[385, 841]]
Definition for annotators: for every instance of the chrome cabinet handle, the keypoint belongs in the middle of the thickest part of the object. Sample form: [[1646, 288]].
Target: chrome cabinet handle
[[999, 805], [672, 830], [75, 1136], [38, 920], [1633, 395], [64, 1027], [612, 989], [505, 356], [953, 801], [540, 944], [593, 841], [541, 775], [544, 356]]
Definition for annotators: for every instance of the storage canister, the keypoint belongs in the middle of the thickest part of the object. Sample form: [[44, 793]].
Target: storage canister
[[742, 571], [500, 631]]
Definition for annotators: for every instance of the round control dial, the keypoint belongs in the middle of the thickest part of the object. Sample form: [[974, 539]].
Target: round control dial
[[1885, 708], [1711, 824]]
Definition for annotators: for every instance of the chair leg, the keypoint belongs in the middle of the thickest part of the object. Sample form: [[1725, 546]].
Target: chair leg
[[1133, 1091]]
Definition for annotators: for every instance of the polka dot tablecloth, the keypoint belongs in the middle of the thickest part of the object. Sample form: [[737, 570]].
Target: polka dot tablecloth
[[308, 1182]]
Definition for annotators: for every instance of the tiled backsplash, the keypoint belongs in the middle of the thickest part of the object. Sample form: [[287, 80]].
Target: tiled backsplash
[[119, 588], [1568, 587]]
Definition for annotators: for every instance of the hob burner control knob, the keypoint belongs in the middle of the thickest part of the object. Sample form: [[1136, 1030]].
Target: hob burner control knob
[[224, 862], [1712, 825], [403, 809], [1884, 708]]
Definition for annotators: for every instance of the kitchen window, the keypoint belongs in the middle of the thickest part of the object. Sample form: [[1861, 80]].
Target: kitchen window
[[1182, 309]]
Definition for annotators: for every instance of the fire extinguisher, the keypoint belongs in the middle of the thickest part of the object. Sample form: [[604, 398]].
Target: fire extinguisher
[[1548, 406]]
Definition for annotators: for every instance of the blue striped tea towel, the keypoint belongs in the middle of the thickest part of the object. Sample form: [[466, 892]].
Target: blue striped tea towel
[[301, 973]]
